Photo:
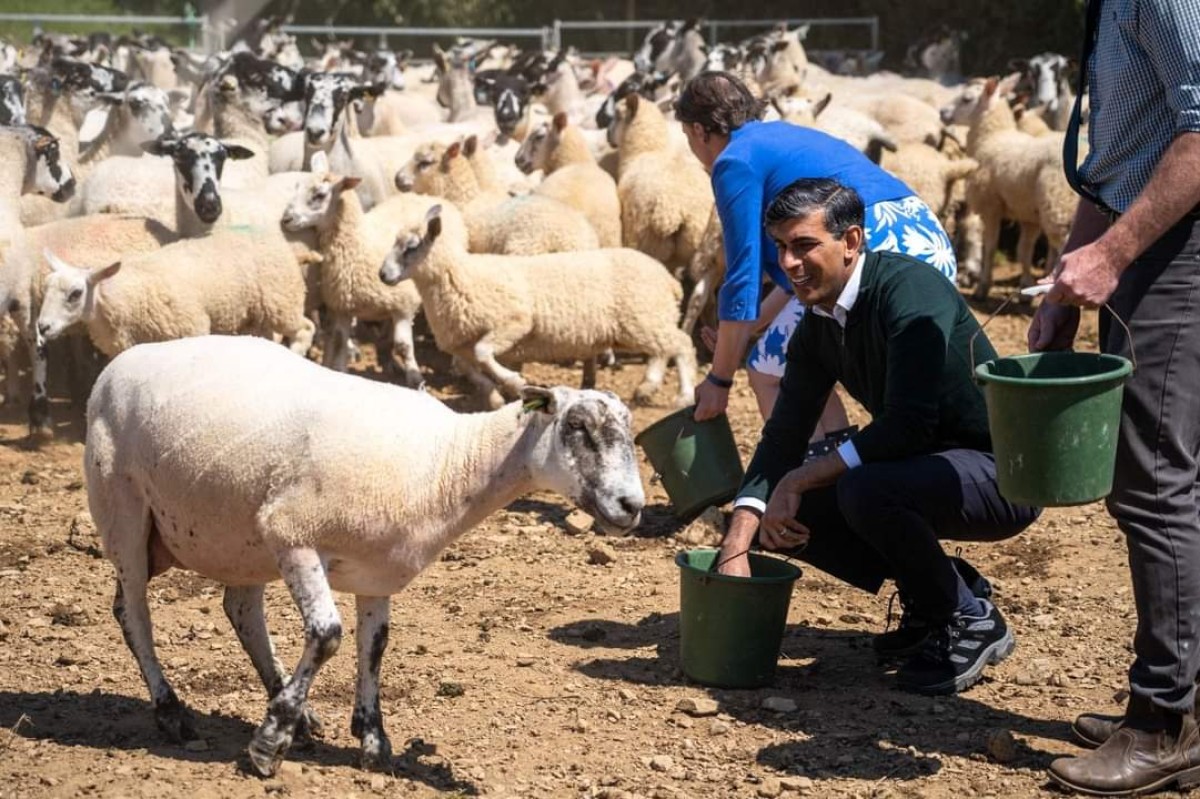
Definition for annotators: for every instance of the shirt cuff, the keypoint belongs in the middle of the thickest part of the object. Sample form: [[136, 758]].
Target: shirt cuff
[[849, 455], [754, 503]]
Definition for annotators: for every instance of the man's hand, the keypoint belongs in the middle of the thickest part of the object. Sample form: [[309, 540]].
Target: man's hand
[[1086, 277], [780, 530], [711, 401], [1053, 328]]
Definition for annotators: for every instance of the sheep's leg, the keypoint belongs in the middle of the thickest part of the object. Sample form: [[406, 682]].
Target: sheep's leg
[[589, 373], [1025, 246], [304, 574], [244, 609], [990, 243], [656, 368], [485, 357], [483, 384], [132, 612], [696, 303], [301, 336], [12, 378], [40, 427], [371, 638], [685, 363], [337, 350], [402, 339]]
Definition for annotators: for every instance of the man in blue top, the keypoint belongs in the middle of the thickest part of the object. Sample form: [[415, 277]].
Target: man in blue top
[[750, 163], [1135, 246]]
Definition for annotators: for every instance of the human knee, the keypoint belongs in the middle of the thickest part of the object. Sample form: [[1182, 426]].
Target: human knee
[[863, 499]]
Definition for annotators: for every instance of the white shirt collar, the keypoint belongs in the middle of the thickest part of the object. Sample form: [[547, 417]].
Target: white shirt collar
[[845, 301]]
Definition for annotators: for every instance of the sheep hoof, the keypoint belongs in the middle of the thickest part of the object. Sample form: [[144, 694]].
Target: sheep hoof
[[175, 720], [309, 728], [41, 434], [266, 752], [376, 753], [414, 379], [644, 395]]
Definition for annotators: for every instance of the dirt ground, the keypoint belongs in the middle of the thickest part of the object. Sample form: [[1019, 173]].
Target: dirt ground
[[534, 662]]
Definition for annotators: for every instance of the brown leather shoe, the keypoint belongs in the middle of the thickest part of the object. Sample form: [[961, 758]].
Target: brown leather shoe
[[1136, 760], [1093, 729]]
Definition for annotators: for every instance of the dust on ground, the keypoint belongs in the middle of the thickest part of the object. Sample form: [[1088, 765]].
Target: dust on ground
[[521, 666]]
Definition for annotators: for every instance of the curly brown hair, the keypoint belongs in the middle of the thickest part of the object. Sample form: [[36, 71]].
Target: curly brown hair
[[719, 101]]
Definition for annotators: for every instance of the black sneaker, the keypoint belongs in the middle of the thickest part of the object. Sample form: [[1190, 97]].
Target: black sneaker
[[912, 631], [908, 637], [955, 654]]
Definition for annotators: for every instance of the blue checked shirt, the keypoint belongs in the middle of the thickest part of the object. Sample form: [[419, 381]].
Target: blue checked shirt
[[1144, 88]]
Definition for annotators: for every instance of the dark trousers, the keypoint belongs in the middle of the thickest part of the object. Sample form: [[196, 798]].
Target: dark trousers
[[885, 520], [1154, 498]]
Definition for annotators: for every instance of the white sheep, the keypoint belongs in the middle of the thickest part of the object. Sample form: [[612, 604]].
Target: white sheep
[[226, 283], [351, 245], [666, 197], [573, 177], [229, 458], [554, 307], [498, 223], [1020, 177]]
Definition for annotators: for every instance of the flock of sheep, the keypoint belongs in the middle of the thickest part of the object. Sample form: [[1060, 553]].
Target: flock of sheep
[[533, 205], [285, 184]]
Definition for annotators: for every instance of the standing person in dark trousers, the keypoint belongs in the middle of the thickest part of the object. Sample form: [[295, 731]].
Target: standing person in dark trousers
[[896, 335], [1135, 245]]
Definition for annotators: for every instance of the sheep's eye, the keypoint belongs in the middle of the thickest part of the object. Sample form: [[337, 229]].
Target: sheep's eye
[[75, 295]]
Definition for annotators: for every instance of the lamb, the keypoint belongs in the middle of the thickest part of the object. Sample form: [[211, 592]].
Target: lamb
[[572, 176], [665, 196], [527, 225], [1020, 177], [855, 128], [540, 308], [352, 244], [226, 283], [929, 173], [359, 487]]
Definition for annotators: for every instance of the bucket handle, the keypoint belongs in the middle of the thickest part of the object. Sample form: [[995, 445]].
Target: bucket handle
[[718, 563], [1013, 296]]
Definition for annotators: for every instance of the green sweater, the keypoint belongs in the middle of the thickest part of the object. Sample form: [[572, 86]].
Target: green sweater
[[903, 355]]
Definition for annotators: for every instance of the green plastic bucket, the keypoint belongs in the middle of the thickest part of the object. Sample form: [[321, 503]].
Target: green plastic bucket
[[730, 628], [698, 461], [1054, 418]]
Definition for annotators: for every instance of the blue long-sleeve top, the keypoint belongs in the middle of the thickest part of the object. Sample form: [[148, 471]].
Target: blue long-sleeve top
[[762, 159]]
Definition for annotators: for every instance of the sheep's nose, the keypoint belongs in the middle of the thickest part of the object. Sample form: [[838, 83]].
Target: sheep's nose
[[43, 329], [632, 506], [65, 191]]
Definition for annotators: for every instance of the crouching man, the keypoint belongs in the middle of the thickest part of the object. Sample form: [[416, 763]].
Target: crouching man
[[897, 336]]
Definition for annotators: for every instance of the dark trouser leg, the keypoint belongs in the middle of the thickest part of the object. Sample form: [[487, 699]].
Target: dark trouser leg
[[886, 519], [1154, 498]]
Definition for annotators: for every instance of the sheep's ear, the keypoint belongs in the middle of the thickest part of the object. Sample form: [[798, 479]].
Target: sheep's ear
[[163, 146], [822, 104], [433, 223], [349, 183], [802, 32], [111, 98], [631, 102], [470, 145], [238, 152], [319, 163], [452, 151], [989, 88], [56, 263], [560, 121], [539, 398], [103, 273]]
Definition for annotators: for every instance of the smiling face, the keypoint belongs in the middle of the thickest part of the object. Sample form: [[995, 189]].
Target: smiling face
[[817, 263]]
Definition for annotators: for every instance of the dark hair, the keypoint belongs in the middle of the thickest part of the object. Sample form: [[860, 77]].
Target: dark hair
[[719, 102], [842, 205]]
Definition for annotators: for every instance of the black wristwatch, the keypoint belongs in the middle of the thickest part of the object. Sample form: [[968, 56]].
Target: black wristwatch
[[718, 381]]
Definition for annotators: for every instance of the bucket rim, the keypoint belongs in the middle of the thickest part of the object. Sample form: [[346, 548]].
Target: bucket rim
[[1122, 368], [681, 560], [678, 413]]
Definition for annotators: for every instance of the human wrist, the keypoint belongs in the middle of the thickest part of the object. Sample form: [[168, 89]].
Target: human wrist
[[718, 381]]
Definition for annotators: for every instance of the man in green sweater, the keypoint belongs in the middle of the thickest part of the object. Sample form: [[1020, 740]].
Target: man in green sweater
[[897, 336]]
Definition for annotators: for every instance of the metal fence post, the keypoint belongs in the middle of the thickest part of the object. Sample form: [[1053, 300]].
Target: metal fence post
[[713, 41], [875, 33], [557, 34]]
